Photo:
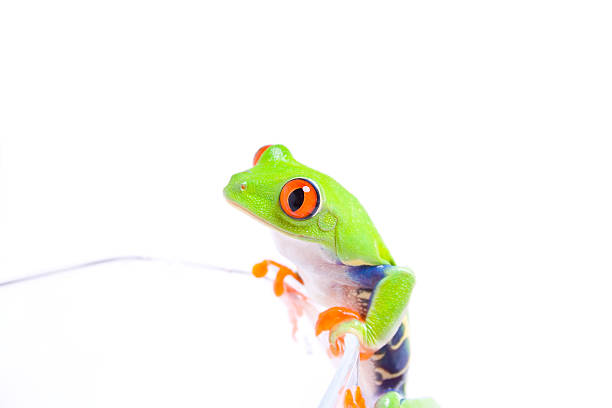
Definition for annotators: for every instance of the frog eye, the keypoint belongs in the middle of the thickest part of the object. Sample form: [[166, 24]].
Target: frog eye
[[300, 199], [259, 152]]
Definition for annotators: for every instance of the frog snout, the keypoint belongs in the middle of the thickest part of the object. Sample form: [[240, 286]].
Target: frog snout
[[236, 185]]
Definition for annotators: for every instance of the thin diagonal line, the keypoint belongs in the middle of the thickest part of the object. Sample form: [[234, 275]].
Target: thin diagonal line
[[127, 258]]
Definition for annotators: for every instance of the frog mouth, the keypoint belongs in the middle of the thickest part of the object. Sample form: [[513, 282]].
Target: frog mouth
[[264, 222], [245, 211], [249, 213]]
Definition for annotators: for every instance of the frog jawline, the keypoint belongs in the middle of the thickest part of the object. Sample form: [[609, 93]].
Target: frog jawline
[[261, 220]]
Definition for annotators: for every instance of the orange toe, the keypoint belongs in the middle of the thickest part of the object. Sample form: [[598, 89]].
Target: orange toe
[[333, 316], [261, 269], [279, 286], [348, 400], [357, 402], [365, 354], [330, 318], [359, 398]]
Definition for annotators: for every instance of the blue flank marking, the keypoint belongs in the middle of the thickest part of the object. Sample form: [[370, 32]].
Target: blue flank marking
[[393, 362], [367, 276]]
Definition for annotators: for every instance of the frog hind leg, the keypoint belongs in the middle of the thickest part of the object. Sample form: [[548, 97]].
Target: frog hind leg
[[390, 363], [390, 367]]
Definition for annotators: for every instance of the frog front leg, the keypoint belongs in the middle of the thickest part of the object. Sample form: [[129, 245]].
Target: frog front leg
[[297, 303], [261, 269], [388, 305]]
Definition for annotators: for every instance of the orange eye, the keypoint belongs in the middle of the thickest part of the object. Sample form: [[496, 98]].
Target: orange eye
[[300, 199], [259, 153]]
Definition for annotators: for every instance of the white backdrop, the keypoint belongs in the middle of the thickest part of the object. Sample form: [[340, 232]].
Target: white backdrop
[[477, 134]]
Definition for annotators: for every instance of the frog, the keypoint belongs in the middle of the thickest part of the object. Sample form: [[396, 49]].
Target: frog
[[342, 263]]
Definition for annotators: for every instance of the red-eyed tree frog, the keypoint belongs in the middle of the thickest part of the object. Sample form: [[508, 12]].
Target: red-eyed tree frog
[[342, 262]]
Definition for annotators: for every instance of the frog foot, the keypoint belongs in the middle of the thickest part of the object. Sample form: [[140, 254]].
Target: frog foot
[[340, 321], [261, 269], [393, 399], [390, 399], [296, 302], [357, 402]]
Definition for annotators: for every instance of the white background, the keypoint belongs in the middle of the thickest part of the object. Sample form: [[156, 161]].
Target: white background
[[477, 134]]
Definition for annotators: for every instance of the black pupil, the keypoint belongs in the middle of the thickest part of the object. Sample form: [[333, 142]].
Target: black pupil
[[296, 199]]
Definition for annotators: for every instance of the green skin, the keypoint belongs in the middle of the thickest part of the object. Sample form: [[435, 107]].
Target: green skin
[[343, 227]]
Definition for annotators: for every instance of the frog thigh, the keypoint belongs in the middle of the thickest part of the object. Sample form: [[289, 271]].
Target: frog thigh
[[388, 305]]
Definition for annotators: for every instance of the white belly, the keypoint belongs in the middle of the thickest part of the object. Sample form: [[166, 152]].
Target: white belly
[[326, 280]]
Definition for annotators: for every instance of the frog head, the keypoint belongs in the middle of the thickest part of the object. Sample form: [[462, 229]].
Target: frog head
[[307, 205]]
